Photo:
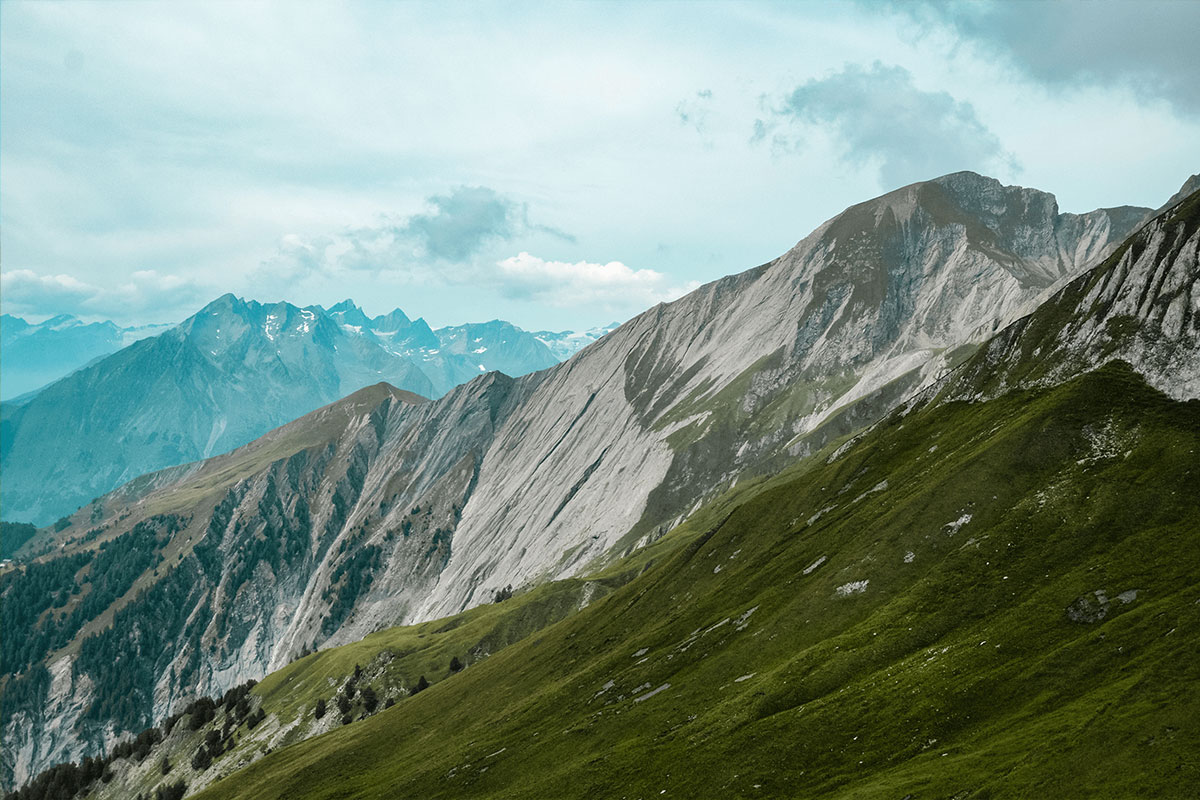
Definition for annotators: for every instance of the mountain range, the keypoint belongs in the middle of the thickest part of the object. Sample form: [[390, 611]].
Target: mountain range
[[925, 379], [224, 376], [37, 354]]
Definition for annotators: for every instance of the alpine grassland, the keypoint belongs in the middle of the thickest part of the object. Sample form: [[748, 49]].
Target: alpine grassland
[[995, 599]]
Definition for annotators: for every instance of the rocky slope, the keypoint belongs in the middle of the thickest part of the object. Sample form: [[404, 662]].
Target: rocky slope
[[1141, 306], [433, 508], [757, 369]]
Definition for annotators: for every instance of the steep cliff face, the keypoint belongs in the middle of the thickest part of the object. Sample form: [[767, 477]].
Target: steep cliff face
[[615, 444], [406, 512], [1141, 306]]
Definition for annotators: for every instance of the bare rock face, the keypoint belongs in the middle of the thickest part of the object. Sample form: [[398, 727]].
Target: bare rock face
[[381, 509], [616, 444], [1140, 306]]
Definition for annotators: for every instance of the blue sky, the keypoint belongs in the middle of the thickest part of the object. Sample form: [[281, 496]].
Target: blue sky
[[557, 165]]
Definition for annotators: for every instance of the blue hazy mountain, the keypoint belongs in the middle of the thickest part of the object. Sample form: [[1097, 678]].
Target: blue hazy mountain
[[223, 377], [34, 354]]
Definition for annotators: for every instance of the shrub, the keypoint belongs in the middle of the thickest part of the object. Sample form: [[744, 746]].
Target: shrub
[[370, 700], [202, 760], [172, 791]]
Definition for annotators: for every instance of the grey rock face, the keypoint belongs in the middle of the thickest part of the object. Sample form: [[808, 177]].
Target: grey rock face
[[514, 481], [758, 368], [1141, 306]]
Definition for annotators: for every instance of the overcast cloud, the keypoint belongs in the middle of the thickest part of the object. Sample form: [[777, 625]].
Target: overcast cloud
[[157, 155], [1148, 47], [879, 117]]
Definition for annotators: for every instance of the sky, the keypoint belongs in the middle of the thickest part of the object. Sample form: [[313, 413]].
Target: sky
[[560, 166]]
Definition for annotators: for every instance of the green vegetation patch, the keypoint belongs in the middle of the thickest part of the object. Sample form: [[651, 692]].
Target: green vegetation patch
[[993, 600]]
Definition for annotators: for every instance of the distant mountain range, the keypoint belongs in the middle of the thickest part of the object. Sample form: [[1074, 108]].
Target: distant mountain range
[[36, 354], [565, 344], [383, 508], [224, 376]]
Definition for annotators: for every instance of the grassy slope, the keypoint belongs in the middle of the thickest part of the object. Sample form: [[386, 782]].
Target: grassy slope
[[955, 672]]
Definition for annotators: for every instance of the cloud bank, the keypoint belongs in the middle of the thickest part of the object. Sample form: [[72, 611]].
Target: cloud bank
[[612, 285], [1148, 46], [442, 242], [145, 294], [879, 116]]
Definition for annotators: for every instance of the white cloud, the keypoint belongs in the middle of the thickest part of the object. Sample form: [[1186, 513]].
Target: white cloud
[[26, 291], [443, 245], [144, 294], [613, 285]]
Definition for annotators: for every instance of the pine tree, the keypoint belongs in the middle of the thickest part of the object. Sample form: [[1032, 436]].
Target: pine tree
[[202, 760], [370, 700]]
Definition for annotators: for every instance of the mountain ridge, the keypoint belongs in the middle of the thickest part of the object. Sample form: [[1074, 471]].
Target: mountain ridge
[[199, 388], [37, 354], [509, 482]]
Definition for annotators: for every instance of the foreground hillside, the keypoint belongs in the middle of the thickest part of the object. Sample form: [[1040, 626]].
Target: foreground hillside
[[974, 600], [995, 599]]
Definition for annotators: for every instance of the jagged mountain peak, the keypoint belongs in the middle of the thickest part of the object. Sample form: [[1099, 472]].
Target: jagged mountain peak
[[232, 324], [345, 305], [1139, 305], [1190, 187], [394, 320], [1019, 228], [347, 313], [228, 302]]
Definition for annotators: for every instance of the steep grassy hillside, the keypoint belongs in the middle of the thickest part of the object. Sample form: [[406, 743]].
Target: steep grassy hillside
[[975, 600]]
